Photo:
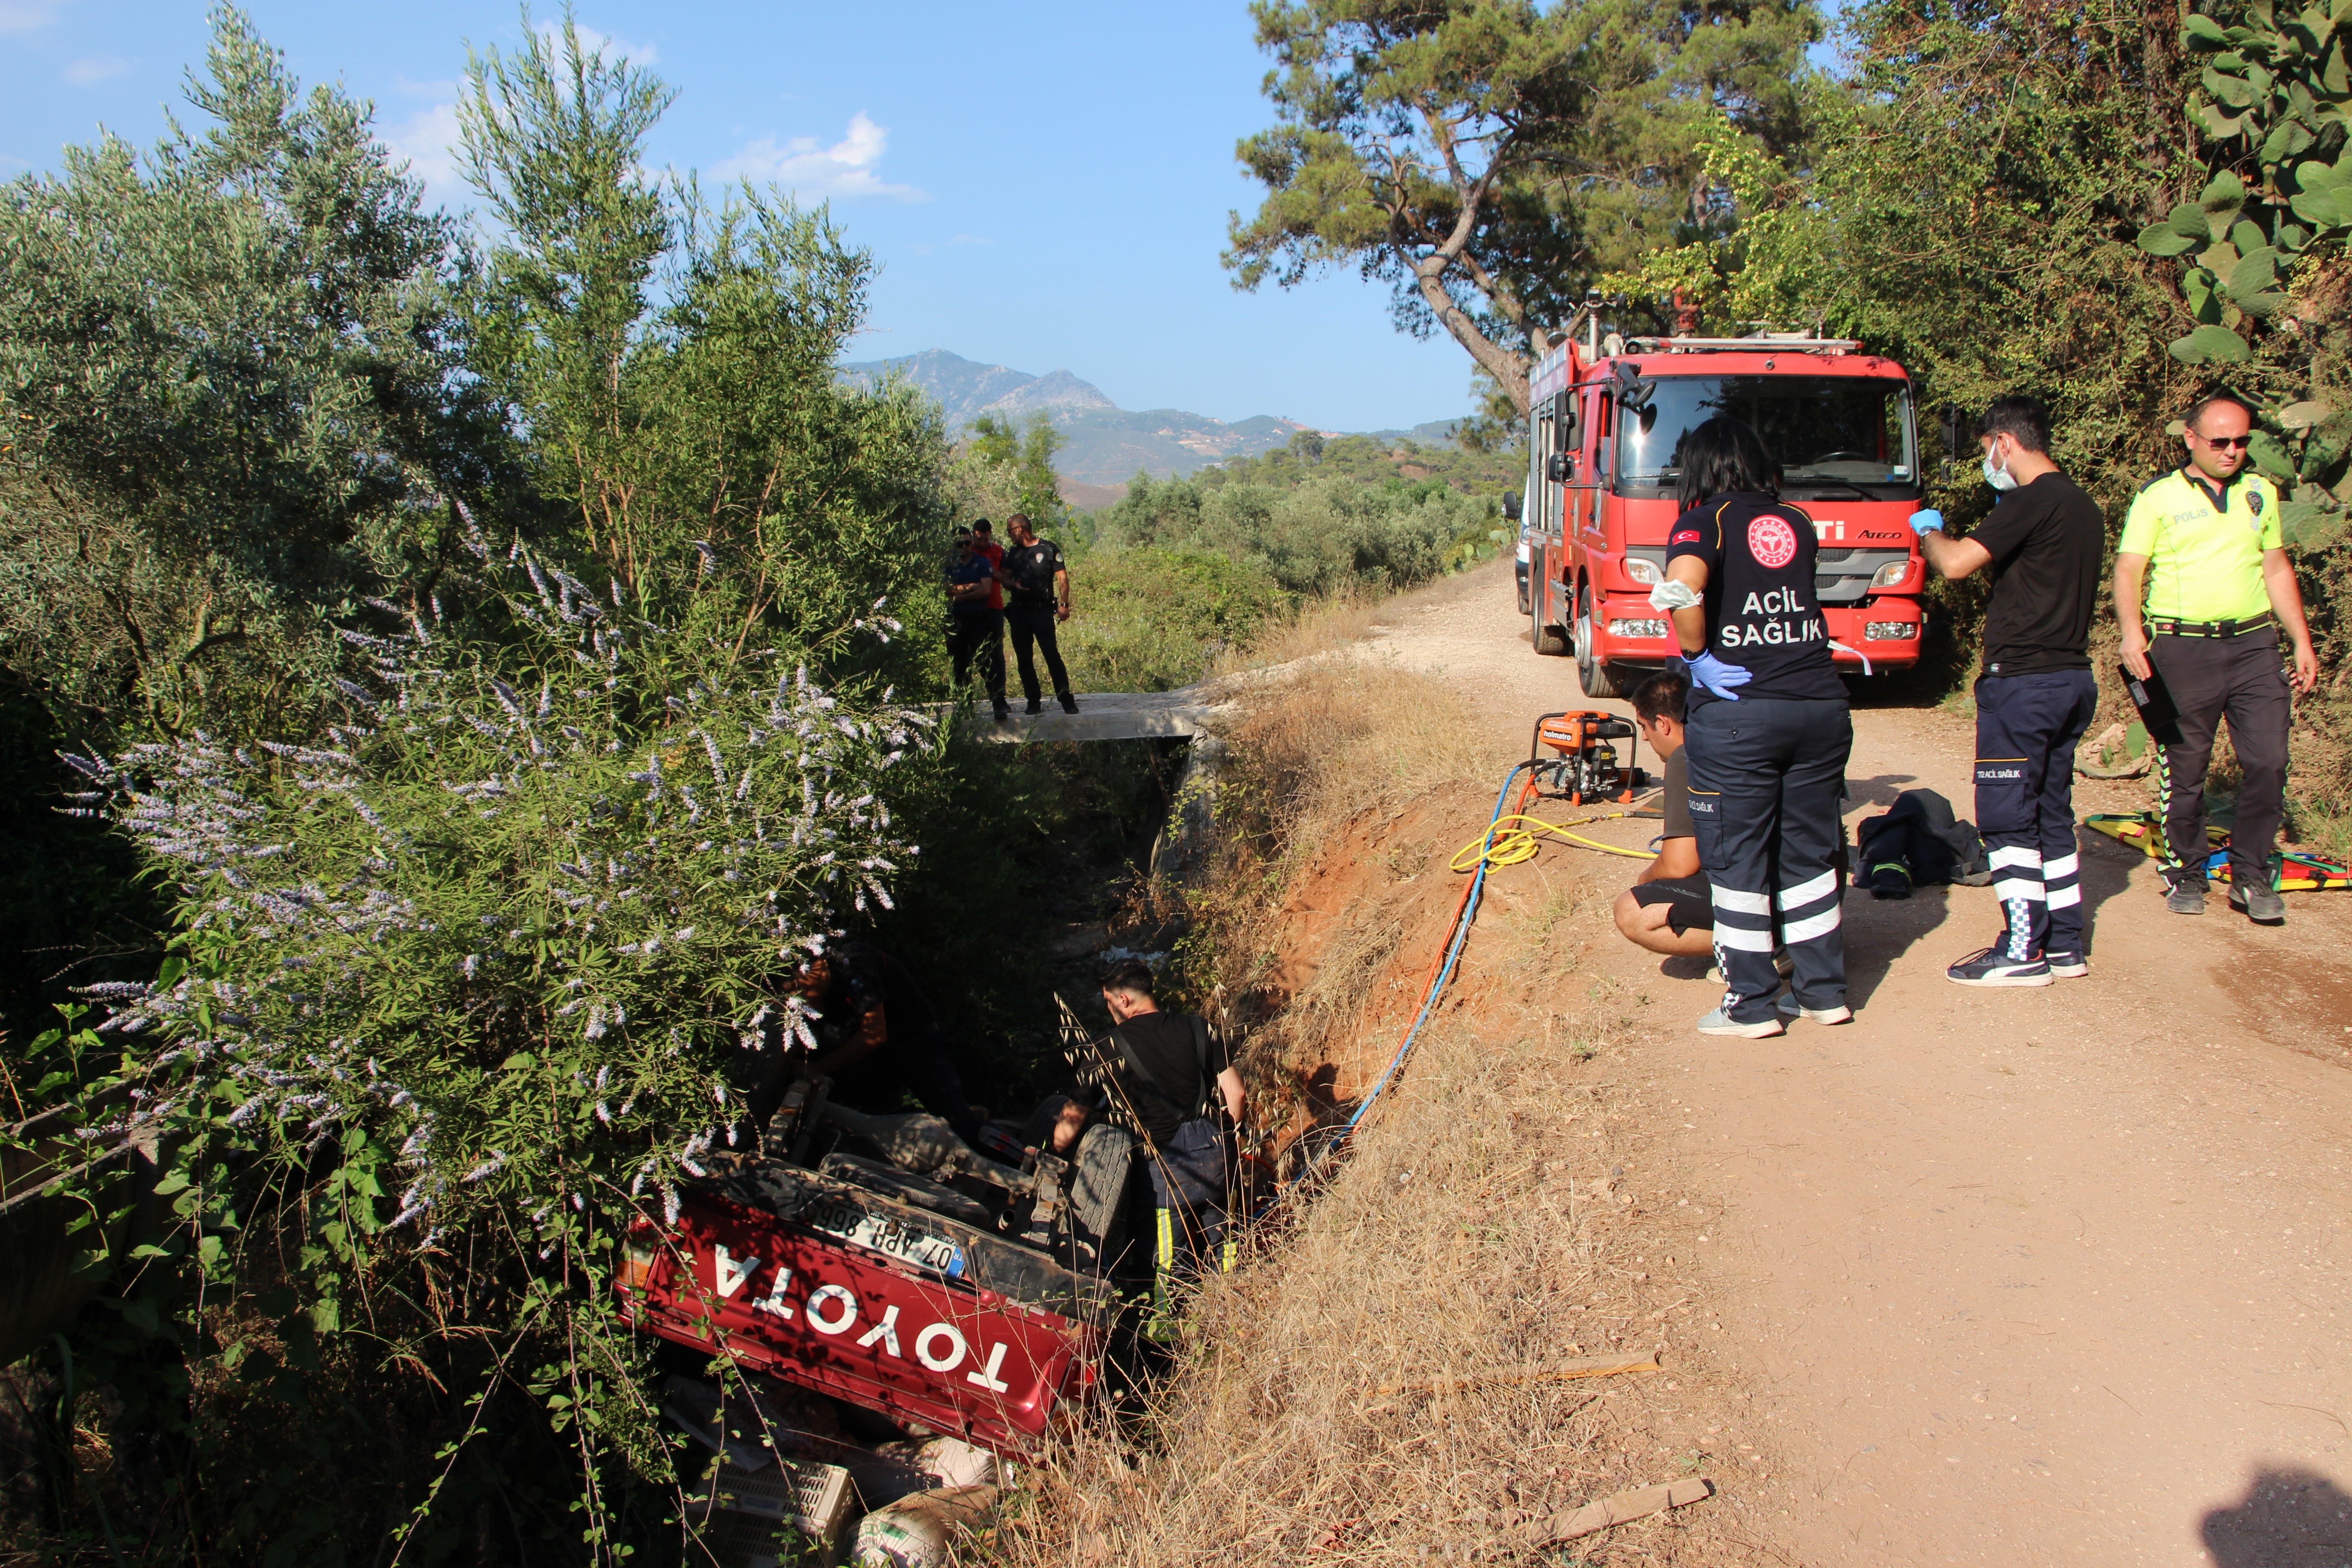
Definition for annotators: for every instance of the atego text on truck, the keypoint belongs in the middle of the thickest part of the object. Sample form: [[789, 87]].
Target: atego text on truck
[[1605, 430]]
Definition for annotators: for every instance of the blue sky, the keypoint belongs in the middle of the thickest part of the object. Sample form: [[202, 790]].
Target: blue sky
[[1044, 185]]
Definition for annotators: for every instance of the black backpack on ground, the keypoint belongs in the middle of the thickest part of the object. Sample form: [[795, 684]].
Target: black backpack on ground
[[1918, 842]]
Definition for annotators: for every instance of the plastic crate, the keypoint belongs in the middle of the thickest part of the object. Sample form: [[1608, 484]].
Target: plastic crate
[[780, 1515]]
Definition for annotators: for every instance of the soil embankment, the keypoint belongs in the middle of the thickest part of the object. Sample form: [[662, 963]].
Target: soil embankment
[[1991, 1278]]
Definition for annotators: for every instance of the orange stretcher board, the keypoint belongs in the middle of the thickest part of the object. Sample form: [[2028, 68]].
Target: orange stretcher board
[[2298, 872]]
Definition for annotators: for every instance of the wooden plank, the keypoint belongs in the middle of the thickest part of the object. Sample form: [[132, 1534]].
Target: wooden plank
[[1582, 1366], [1612, 1511]]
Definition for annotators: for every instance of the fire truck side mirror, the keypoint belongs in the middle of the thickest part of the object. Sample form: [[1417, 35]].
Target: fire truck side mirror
[[1556, 468], [1955, 423]]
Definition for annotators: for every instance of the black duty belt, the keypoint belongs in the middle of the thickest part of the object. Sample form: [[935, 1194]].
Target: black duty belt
[[2168, 629]]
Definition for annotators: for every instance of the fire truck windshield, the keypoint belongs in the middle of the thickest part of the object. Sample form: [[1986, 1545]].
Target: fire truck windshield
[[1832, 434]]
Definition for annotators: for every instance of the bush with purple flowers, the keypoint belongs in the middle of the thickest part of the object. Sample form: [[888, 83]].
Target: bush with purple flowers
[[467, 976]]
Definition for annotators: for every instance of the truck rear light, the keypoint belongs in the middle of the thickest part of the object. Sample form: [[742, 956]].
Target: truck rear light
[[1890, 631], [1894, 572], [637, 1256], [1637, 628], [1643, 571]]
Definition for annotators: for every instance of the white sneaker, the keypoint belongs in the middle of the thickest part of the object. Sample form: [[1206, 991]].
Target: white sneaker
[[1792, 1010], [1720, 1023]]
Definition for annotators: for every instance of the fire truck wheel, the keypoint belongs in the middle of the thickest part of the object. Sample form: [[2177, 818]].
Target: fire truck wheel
[[1598, 680], [1547, 639]]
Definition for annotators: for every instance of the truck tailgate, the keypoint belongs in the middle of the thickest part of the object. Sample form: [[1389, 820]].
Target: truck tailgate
[[884, 1305]]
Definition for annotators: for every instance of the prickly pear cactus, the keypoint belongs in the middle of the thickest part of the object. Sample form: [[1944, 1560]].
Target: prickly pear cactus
[[2273, 104]]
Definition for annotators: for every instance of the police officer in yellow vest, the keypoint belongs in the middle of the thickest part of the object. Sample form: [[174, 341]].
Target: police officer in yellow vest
[[2202, 544]]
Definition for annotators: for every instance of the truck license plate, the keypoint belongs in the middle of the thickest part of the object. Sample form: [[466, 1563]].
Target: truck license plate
[[886, 1237]]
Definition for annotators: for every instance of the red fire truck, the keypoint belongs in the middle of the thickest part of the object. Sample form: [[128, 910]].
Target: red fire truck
[[1604, 431]]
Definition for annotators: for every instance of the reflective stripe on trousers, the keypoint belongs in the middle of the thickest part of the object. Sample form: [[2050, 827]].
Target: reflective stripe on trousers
[[1767, 775], [2027, 728]]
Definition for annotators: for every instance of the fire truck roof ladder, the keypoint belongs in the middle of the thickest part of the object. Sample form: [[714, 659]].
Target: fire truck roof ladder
[[1778, 342]]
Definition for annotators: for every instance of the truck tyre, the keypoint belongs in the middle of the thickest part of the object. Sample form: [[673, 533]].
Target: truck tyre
[[1098, 1197], [1545, 638], [1591, 672]]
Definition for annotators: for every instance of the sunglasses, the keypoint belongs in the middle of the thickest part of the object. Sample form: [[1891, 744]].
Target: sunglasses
[[2225, 443]]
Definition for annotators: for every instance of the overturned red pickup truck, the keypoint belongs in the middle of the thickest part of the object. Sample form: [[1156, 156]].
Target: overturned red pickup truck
[[889, 1288]]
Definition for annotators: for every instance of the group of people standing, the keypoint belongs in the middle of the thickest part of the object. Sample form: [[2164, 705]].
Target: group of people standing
[[1024, 589], [1757, 733]]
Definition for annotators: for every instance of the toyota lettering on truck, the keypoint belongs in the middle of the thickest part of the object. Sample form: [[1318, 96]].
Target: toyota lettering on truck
[[1605, 431]]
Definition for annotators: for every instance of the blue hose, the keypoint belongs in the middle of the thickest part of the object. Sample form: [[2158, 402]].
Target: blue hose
[[1437, 989]]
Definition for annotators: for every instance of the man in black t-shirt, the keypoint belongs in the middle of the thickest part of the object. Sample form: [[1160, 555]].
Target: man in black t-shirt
[[1172, 1068], [1670, 908], [1038, 580], [2044, 541]]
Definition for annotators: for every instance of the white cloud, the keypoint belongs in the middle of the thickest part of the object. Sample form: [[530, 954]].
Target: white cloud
[[595, 42], [94, 69], [844, 169], [26, 15], [428, 141]]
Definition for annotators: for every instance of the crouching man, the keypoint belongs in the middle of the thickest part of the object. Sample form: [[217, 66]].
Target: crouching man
[[1669, 908]]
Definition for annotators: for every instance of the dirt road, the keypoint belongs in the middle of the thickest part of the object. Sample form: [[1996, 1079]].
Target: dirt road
[[2014, 1278]]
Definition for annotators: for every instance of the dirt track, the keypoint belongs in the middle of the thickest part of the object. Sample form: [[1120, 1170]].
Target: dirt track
[[2026, 1276]]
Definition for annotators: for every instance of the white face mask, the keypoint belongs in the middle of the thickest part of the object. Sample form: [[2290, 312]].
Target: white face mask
[[1999, 479]]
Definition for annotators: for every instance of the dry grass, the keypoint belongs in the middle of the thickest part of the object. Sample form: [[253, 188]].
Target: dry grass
[[1475, 1236], [1478, 1232], [1328, 739], [1313, 628], [1323, 747]]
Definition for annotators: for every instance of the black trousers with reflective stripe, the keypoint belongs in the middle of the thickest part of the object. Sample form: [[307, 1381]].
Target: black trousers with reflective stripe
[[2242, 678], [1766, 778], [2027, 728]]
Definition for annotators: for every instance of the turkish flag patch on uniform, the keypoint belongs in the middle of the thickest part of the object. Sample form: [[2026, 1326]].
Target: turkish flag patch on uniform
[[1771, 540]]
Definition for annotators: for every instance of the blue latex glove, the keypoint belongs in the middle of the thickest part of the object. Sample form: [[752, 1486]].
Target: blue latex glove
[[1928, 521], [1723, 679]]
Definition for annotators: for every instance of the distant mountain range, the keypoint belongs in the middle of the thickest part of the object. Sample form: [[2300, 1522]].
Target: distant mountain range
[[1103, 444]]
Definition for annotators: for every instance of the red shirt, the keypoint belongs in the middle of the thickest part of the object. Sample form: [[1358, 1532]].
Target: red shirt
[[993, 555]]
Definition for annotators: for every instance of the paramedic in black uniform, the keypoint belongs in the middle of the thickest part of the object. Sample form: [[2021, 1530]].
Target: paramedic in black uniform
[[1767, 730], [2045, 542]]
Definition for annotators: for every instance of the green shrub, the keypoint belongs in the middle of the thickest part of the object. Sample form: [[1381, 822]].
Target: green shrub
[[1314, 537], [1153, 619], [469, 976]]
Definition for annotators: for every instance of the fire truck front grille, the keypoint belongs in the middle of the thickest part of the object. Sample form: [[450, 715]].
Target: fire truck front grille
[[1842, 576]]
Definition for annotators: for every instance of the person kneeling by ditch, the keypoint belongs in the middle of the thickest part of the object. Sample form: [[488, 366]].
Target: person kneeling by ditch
[[1670, 908], [1171, 1068]]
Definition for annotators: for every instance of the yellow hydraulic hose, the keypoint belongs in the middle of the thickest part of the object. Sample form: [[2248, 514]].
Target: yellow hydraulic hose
[[1516, 837]]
